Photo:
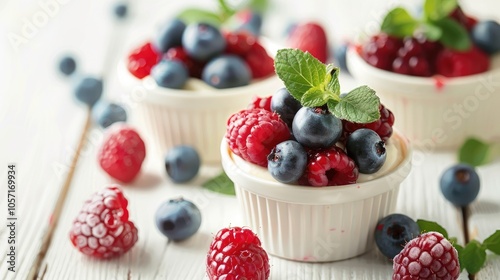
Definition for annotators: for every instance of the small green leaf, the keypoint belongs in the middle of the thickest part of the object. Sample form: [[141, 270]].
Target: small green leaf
[[474, 152], [426, 226], [431, 31], [398, 22], [314, 97], [259, 5], [333, 84], [221, 184], [492, 243], [454, 35], [193, 15], [360, 105], [226, 10], [438, 9], [459, 249], [299, 71], [472, 257]]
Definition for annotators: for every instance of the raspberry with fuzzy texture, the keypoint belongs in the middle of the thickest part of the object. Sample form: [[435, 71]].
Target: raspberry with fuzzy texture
[[429, 256], [261, 102], [251, 134], [102, 228], [239, 42], [142, 59], [260, 62], [382, 126], [451, 63], [236, 253], [122, 153], [329, 167]]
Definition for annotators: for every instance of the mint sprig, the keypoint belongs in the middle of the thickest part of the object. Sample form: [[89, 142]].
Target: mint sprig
[[315, 84], [220, 184], [472, 257], [434, 24], [476, 152], [224, 12]]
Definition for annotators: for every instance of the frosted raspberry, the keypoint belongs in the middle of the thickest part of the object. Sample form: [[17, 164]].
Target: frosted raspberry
[[382, 126]]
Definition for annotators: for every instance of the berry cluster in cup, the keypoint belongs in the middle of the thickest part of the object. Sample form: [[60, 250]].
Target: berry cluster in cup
[[221, 58]]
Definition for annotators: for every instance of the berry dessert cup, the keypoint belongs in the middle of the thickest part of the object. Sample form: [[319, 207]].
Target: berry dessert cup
[[194, 113], [442, 90], [314, 193]]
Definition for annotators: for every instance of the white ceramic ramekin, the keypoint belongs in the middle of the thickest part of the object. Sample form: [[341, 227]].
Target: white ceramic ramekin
[[190, 117], [316, 224], [436, 112]]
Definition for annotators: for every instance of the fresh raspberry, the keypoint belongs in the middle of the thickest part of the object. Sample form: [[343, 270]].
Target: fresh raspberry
[[194, 67], [381, 50], [122, 153], [329, 167], [102, 228], [236, 253], [382, 126], [415, 58], [261, 102], [311, 37], [429, 256], [239, 43], [142, 59], [259, 61], [450, 63], [251, 134], [466, 21]]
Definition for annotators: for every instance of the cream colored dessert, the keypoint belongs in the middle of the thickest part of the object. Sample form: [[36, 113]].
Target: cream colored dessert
[[393, 160]]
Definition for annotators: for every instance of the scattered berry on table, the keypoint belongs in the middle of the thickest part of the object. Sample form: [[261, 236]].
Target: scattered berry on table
[[142, 59], [316, 127], [329, 167], [194, 67], [311, 37], [67, 65], [182, 163], [178, 219], [122, 152], [236, 253], [106, 113], [452, 63], [367, 150], [287, 161], [102, 229], [381, 50], [170, 74], [169, 35], [251, 134], [486, 35], [285, 105], [393, 232], [429, 256], [260, 62], [203, 41], [261, 102], [382, 126], [340, 56], [88, 90], [120, 10], [460, 184], [226, 71]]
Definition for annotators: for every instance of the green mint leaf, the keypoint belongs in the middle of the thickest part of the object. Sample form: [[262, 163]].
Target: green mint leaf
[[259, 5], [299, 71], [431, 31], [426, 226], [226, 10], [314, 97], [360, 105], [492, 243], [459, 249], [221, 184], [333, 84], [454, 35], [193, 15], [438, 9], [398, 22], [472, 257], [474, 152]]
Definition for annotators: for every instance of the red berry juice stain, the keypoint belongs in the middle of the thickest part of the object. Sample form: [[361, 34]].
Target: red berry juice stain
[[333, 229], [439, 83]]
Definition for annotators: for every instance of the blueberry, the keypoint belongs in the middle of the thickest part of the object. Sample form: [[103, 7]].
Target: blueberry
[[367, 150], [88, 90], [316, 127], [287, 161], [182, 163], [106, 113], [203, 41], [227, 71], [120, 10], [486, 35], [392, 233], [460, 184], [340, 57], [170, 74], [285, 105], [169, 35], [178, 219], [67, 65], [252, 22]]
